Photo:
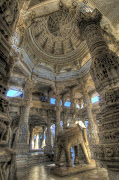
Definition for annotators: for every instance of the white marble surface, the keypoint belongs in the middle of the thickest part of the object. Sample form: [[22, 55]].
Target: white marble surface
[[42, 172]]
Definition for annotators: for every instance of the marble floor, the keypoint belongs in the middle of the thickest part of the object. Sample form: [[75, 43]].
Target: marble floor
[[42, 172]]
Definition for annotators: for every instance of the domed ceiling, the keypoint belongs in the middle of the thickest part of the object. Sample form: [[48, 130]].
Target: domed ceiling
[[55, 39]]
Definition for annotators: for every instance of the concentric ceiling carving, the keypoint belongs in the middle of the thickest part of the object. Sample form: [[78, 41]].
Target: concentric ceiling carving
[[56, 37], [59, 25]]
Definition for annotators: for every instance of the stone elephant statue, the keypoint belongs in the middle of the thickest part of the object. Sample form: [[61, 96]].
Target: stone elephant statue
[[72, 137]]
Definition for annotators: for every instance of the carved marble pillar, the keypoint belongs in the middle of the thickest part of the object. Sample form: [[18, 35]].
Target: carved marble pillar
[[9, 11], [31, 138], [58, 113], [43, 134], [105, 74], [64, 113], [65, 120], [73, 106], [22, 145], [92, 126], [63, 102], [36, 141], [48, 148]]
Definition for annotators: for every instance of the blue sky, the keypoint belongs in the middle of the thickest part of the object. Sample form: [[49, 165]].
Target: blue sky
[[52, 101], [13, 93], [95, 99]]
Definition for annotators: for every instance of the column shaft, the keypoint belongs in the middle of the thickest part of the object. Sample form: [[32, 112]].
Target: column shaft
[[73, 106], [105, 74], [9, 12], [31, 138], [48, 148], [22, 145], [92, 126], [58, 113]]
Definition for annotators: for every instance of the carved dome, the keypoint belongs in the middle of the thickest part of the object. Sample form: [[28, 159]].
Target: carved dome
[[55, 39]]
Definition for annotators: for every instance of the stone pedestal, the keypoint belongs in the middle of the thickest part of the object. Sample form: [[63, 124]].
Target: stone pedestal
[[67, 171]]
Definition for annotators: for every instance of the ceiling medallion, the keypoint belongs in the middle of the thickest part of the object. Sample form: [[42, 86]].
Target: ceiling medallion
[[59, 24]]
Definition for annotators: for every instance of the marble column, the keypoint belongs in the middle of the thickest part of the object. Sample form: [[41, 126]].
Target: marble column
[[80, 103], [31, 139], [73, 106], [40, 140], [58, 113], [92, 126], [63, 102], [64, 113], [9, 12], [105, 74], [65, 120], [48, 148], [22, 145], [36, 143], [42, 144]]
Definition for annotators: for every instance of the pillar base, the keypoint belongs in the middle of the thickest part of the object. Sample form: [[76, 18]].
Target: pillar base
[[66, 171]]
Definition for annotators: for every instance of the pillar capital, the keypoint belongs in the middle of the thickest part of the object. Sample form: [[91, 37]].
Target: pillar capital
[[88, 19]]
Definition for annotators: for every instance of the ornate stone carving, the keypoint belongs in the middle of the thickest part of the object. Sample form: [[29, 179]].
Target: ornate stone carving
[[23, 131], [7, 164], [9, 11], [104, 71], [55, 38]]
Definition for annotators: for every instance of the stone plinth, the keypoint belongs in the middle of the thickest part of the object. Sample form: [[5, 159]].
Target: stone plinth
[[66, 171]]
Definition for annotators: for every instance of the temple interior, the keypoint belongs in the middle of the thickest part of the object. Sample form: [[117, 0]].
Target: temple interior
[[59, 89]]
